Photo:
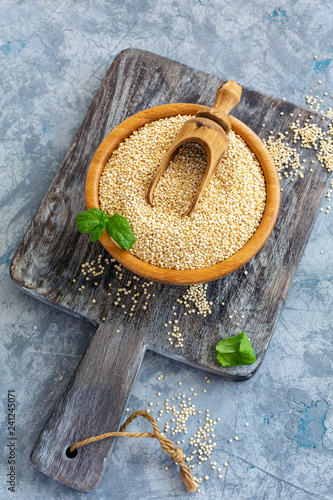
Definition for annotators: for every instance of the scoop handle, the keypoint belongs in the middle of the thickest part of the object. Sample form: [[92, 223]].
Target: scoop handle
[[227, 97]]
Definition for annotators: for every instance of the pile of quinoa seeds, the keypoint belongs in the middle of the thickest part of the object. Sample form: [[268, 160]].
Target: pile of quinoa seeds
[[222, 223], [306, 135], [182, 418]]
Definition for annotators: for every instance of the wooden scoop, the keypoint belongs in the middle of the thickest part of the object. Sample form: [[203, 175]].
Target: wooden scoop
[[209, 128]]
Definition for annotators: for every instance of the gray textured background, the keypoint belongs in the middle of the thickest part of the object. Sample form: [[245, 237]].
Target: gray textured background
[[53, 58]]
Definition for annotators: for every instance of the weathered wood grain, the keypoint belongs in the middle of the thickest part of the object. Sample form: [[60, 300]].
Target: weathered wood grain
[[52, 251], [93, 403]]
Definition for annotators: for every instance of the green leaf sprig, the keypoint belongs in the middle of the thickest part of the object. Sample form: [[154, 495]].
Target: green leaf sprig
[[94, 221], [235, 351]]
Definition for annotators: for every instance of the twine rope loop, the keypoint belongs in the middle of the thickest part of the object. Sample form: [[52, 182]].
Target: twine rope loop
[[168, 447]]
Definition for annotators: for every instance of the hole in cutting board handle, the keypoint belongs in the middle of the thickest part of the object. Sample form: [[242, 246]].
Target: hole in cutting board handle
[[71, 454]]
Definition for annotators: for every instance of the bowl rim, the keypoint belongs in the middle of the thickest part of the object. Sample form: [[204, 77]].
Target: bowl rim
[[191, 276]]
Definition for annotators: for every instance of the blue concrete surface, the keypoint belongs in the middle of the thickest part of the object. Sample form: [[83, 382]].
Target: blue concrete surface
[[53, 56]]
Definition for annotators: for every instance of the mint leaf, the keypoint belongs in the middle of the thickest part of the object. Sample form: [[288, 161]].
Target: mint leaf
[[92, 221], [91, 218], [119, 229], [97, 233], [235, 351]]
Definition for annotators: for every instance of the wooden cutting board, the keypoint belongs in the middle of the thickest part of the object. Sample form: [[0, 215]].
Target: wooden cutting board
[[52, 251]]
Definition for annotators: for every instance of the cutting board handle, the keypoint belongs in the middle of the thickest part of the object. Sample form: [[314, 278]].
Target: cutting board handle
[[92, 404]]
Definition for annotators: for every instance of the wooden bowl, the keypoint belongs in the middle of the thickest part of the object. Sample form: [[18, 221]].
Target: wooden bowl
[[202, 275]]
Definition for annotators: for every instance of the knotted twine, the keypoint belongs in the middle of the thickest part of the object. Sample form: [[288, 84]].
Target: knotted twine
[[168, 447]]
